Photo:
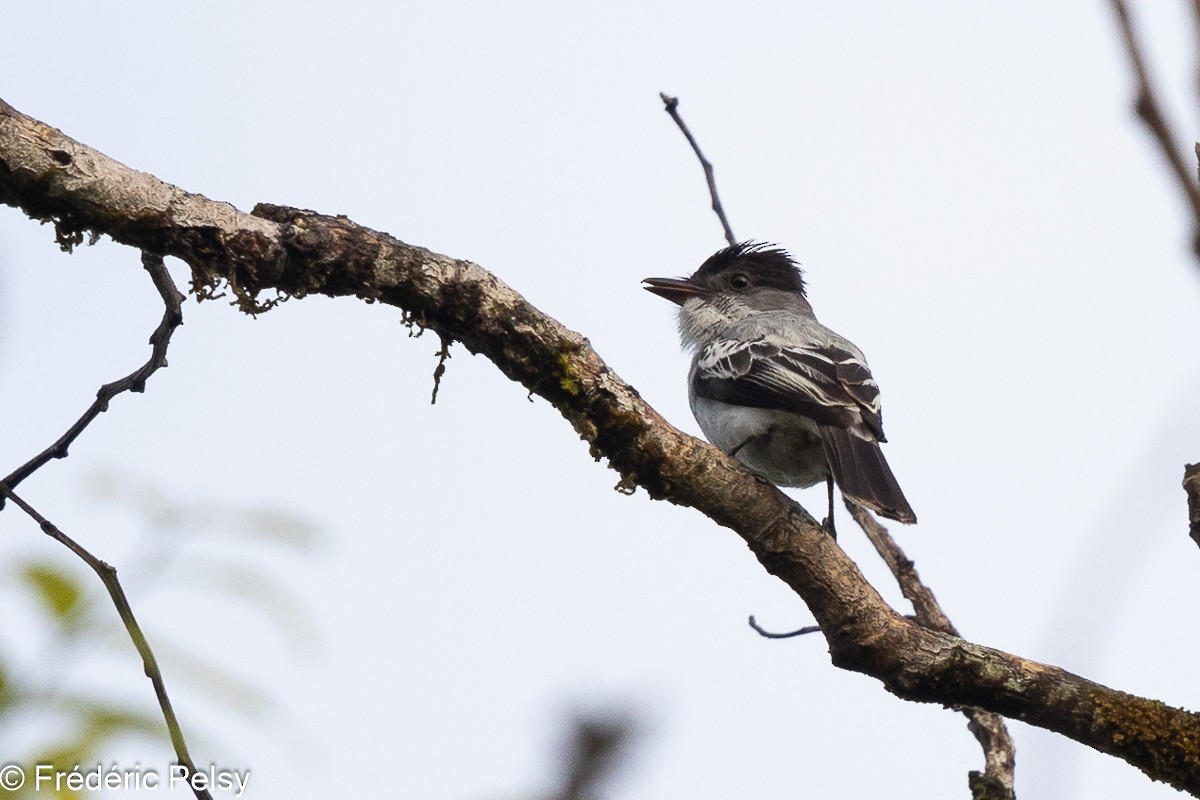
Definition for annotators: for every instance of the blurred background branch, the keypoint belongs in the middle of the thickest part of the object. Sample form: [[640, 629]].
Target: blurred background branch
[[1182, 163]]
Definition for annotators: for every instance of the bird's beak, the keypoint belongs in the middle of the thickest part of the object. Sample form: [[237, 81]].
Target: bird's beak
[[677, 290]]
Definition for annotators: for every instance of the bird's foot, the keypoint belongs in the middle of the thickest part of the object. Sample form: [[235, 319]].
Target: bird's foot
[[827, 526]]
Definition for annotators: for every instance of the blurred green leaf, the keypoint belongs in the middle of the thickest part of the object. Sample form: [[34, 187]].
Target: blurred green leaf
[[272, 597], [63, 758], [219, 684], [275, 525], [59, 592], [106, 722]]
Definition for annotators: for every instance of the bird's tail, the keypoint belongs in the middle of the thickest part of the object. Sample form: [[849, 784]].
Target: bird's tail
[[863, 475]]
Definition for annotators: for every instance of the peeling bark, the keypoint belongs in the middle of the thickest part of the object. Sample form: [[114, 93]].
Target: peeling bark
[[1191, 485]]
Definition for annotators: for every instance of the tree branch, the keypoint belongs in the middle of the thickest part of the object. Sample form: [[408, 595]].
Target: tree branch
[[133, 382], [671, 106], [1150, 111], [1191, 485], [295, 253]]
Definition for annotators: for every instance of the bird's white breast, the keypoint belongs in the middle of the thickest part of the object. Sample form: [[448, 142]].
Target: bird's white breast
[[783, 447]]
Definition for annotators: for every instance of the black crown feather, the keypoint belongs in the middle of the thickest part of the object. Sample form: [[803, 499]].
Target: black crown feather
[[770, 264]]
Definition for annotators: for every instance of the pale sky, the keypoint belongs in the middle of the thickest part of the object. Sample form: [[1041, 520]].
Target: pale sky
[[974, 204]]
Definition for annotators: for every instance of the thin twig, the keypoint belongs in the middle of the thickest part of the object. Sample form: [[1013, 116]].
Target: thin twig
[[134, 382], [928, 612], [766, 634], [108, 574], [1150, 111], [999, 754], [672, 107]]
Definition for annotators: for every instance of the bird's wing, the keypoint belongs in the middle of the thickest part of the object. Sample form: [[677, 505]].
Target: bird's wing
[[824, 382]]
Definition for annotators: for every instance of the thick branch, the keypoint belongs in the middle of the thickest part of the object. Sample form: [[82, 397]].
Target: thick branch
[[298, 252]]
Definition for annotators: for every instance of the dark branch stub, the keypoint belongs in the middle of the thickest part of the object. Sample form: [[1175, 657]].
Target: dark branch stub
[[996, 782], [672, 107], [440, 369], [766, 634]]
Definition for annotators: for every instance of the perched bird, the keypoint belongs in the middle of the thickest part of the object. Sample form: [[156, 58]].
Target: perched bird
[[770, 385]]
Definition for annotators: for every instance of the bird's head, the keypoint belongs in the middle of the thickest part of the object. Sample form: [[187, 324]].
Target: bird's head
[[733, 283], [740, 269]]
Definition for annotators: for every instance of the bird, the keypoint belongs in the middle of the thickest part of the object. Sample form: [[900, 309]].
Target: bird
[[771, 386]]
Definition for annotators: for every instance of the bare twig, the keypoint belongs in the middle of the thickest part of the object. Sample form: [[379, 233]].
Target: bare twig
[[925, 605], [108, 574], [672, 107], [766, 634], [1150, 111], [996, 782], [1191, 485], [134, 382]]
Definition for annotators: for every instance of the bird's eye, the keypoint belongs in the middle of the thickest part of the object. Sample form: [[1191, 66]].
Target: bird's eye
[[739, 281]]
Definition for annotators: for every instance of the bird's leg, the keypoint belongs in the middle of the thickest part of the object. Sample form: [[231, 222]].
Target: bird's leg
[[828, 523]]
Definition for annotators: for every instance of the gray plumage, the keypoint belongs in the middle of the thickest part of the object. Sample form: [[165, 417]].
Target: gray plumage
[[792, 400]]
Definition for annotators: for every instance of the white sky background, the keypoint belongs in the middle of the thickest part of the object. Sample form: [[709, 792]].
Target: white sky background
[[975, 206]]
